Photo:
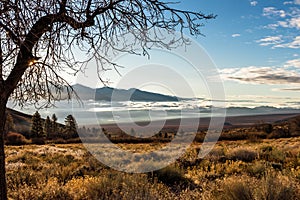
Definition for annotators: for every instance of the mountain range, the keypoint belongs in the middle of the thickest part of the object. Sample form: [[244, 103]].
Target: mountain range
[[113, 94]]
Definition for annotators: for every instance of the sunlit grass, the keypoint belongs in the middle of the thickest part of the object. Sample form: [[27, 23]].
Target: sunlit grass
[[269, 168]]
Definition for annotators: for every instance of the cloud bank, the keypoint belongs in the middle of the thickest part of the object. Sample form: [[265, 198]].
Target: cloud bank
[[261, 75]]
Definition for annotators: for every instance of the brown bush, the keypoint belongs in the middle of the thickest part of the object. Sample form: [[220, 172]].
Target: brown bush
[[245, 155], [16, 139]]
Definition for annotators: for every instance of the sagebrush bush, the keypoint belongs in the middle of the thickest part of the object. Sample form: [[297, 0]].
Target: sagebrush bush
[[272, 154], [271, 187], [241, 154], [68, 171], [235, 189], [276, 187], [170, 175], [257, 169]]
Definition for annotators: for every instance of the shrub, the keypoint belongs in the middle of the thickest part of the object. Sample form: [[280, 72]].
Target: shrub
[[278, 133], [271, 154], [257, 169], [216, 154], [270, 187], [245, 155], [113, 185], [171, 175], [235, 189], [16, 139], [276, 188], [254, 138], [38, 141]]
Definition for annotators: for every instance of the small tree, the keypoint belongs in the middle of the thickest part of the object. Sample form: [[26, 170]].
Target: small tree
[[36, 126], [70, 129], [54, 125], [47, 127]]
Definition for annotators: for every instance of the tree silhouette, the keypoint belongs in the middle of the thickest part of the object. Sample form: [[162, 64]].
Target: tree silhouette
[[70, 129], [47, 127], [38, 41], [54, 125], [36, 126]]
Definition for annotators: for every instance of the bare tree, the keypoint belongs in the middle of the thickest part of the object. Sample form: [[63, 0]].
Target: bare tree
[[39, 40]]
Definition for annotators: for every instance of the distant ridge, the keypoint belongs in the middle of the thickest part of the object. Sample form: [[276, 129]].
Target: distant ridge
[[105, 94]]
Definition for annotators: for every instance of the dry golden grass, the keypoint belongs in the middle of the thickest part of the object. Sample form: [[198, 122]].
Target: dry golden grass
[[268, 169]]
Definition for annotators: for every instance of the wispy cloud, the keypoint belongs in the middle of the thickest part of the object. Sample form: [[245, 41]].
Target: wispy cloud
[[295, 63], [261, 75], [271, 26], [235, 35], [253, 3], [270, 40], [293, 22], [273, 12], [288, 89], [297, 2], [295, 44], [292, 18]]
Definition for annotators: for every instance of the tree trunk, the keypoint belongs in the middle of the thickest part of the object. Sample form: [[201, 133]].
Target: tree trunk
[[3, 187]]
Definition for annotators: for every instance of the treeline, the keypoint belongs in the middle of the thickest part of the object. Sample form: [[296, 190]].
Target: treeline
[[40, 130], [50, 129]]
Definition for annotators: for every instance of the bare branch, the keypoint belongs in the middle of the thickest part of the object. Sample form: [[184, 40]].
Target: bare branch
[[54, 29], [11, 34]]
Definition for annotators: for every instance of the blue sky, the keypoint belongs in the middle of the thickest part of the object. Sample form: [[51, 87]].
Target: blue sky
[[236, 37], [255, 46]]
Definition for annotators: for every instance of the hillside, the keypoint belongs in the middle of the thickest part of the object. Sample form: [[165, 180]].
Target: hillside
[[20, 119], [106, 93]]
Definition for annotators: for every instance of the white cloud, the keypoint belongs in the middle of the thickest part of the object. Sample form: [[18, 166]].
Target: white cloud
[[295, 23], [292, 18], [270, 40], [271, 26], [271, 12], [261, 75], [293, 63], [283, 24], [253, 3], [297, 2], [295, 44], [235, 35]]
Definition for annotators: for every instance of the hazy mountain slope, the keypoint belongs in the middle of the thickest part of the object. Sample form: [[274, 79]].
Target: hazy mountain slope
[[107, 93]]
